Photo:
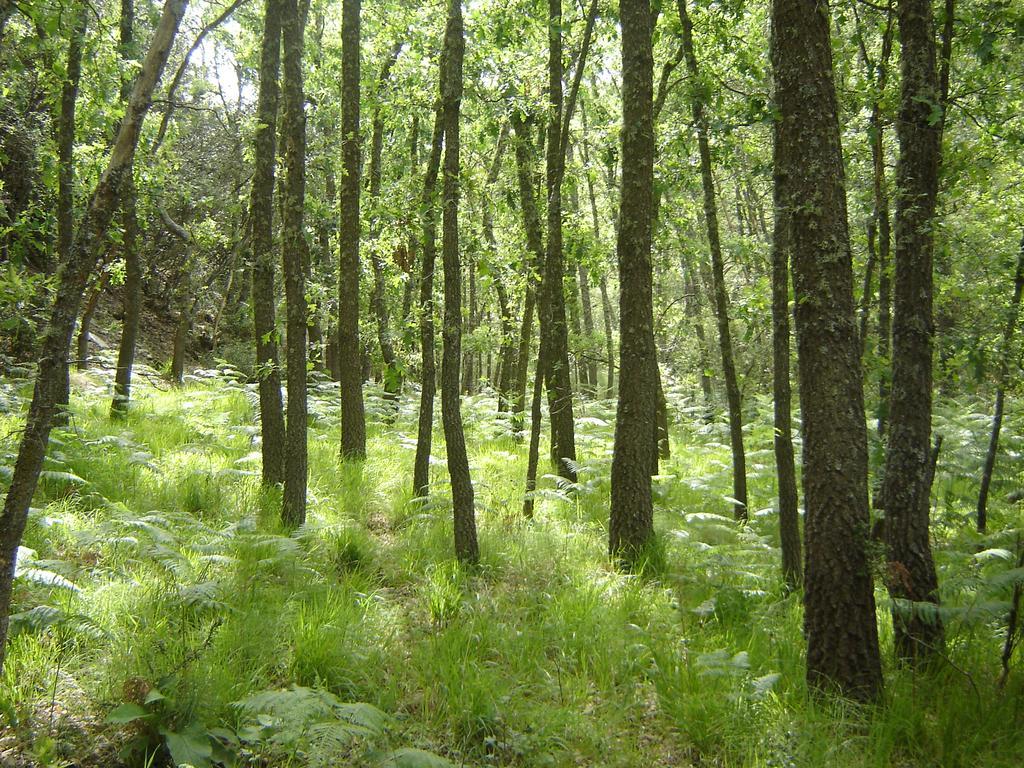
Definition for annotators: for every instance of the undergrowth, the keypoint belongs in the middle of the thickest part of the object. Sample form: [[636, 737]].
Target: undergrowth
[[161, 610]]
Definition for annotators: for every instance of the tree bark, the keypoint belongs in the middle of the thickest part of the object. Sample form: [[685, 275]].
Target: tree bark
[[839, 601], [631, 524], [905, 489], [466, 548], [428, 373], [295, 256], [353, 415], [263, 257], [378, 299], [785, 464], [721, 299], [1001, 378], [72, 278], [66, 170], [554, 353]]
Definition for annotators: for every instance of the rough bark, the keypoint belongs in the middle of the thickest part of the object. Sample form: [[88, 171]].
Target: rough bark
[[428, 373], [353, 415], [1002, 376], [632, 516], [262, 255], [466, 548], [785, 464], [721, 298], [295, 251], [72, 278], [839, 602], [906, 491], [554, 353]]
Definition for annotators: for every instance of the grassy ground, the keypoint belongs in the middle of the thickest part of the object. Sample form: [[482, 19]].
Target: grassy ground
[[160, 605]]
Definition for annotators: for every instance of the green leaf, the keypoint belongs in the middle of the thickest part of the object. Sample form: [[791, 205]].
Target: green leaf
[[190, 747], [126, 713]]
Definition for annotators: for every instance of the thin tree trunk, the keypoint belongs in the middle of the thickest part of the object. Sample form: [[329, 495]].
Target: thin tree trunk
[[72, 278], [296, 259], [378, 299], [631, 524], [466, 548], [535, 245], [66, 172], [911, 571], [99, 285], [732, 388], [609, 340], [1001, 379], [428, 374], [785, 465], [353, 415], [839, 602], [262, 258]]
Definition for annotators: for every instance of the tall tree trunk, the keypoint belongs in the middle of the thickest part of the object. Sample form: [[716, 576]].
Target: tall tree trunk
[[906, 491], [1001, 379], [296, 258], [732, 387], [632, 514], [131, 305], [839, 600], [428, 374], [66, 172], [535, 245], [466, 548], [353, 415], [378, 299], [554, 353], [785, 465], [72, 278], [263, 257], [469, 372]]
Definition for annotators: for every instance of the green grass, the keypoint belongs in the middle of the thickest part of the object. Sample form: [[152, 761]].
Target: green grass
[[180, 579]]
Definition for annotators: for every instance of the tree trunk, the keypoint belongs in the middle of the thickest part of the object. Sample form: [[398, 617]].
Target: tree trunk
[[295, 256], [631, 525], [66, 172], [1002, 376], [466, 548], [353, 415], [262, 258], [72, 278], [378, 299], [732, 388], [905, 490], [839, 601], [785, 465], [609, 341], [428, 374], [554, 352], [535, 245]]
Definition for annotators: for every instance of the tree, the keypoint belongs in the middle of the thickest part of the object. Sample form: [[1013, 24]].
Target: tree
[[353, 416], [131, 307], [631, 525], [428, 370], [907, 482], [263, 256], [466, 547], [721, 299], [72, 278], [296, 255], [839, 602]]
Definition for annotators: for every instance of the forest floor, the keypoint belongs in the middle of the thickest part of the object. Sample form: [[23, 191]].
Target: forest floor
[[160, 606]]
